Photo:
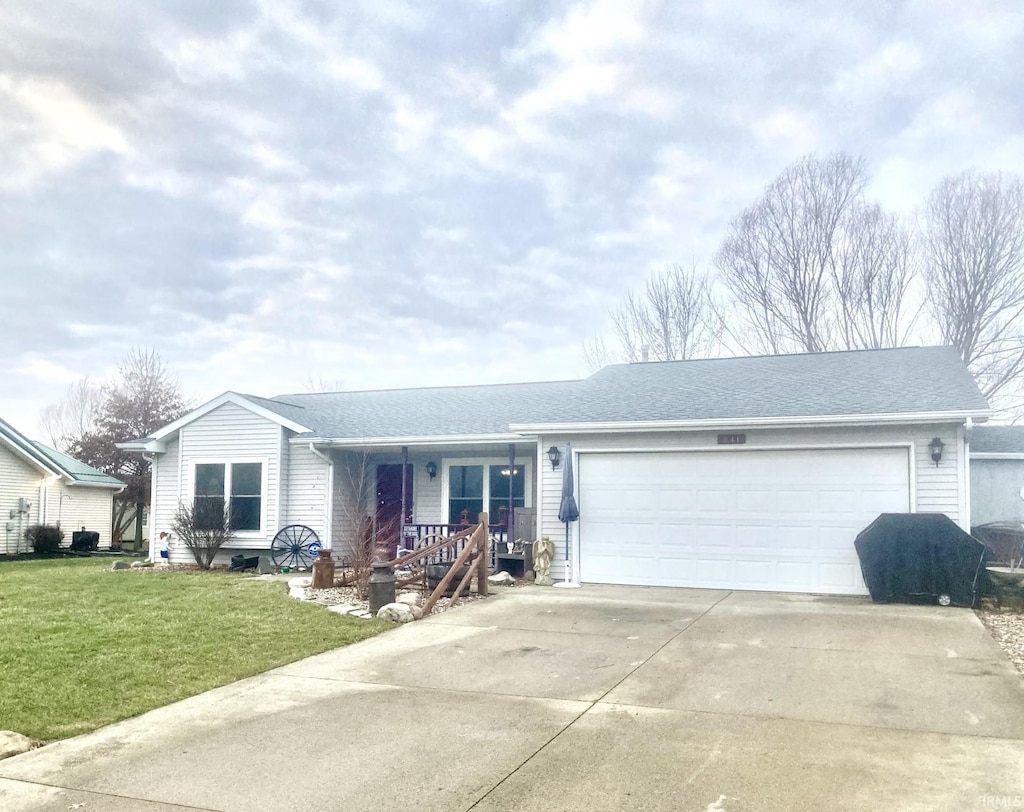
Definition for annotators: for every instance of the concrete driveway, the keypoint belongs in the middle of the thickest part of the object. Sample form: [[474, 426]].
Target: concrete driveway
[[598, 698]]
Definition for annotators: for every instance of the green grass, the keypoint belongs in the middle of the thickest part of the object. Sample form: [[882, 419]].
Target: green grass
[[81, 647]]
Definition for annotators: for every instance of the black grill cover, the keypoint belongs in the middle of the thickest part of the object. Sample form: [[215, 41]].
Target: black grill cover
[[85, 540], [908, 555]]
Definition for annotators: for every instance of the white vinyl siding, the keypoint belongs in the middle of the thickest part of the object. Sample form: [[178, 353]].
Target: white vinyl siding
[[18, 480], [308, 489], [935, 489], [227, 434], [82, 506]]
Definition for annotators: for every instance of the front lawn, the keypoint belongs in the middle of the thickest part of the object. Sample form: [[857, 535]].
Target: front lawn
[[81, 647]]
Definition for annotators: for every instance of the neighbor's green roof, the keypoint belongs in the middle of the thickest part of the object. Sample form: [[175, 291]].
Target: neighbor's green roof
[[76, 469]]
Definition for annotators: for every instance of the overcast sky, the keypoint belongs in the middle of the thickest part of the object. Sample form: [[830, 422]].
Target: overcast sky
[[390, 195]]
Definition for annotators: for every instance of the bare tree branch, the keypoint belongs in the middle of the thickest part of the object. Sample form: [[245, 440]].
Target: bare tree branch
[[70, 419], [973, 237], [674, 319], [778, 258]]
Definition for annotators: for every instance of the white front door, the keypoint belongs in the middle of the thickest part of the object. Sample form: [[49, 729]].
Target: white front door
[[763, 520]]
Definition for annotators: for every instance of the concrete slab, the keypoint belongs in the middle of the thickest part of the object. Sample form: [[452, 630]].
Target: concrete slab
[[583, 699], [617, 758], [21, 796], [837, 623], [939, 694], [549, 610], [337, 745], [554, 665]]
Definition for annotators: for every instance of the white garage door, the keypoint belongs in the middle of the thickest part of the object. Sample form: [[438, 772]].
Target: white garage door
[[768, 520]]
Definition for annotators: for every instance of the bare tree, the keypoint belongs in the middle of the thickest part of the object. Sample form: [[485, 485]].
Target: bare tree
[[596, 354], [874, 264], [144, 396], [778, 257], [318, 383], [362, 538], [203, 530], [674, 318], [973, 236], [70, 419]]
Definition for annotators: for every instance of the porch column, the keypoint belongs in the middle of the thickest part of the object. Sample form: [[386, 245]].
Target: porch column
[[511, 490], [405, 497]]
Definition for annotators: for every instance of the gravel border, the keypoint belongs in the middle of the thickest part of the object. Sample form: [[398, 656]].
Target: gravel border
[[349, 596], [1007, 629]]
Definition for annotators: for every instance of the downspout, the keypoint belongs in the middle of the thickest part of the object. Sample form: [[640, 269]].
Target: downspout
[[405, 497], [330, 494], [153, 552], [968, 425]]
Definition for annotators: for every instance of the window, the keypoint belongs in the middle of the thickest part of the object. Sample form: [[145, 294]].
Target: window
[[239, 485], [472, 487]]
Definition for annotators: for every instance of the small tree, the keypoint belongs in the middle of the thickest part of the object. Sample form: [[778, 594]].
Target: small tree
[[203, 528], [362, 536]]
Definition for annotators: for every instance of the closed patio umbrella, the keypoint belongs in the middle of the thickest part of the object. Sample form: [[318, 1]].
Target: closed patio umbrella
[[568, 512]]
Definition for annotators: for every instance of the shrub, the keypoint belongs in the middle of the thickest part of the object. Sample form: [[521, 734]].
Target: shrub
[[203, 532], [44, 538]]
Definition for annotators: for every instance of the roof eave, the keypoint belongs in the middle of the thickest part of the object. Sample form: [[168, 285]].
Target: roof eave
[[147, 446], [228, 397], [803, 421], [438, 440]]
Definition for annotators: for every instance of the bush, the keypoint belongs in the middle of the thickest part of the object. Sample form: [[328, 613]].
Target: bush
[[44, 538], [203, 530]]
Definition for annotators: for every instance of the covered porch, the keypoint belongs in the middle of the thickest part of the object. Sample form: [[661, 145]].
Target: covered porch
[[386, 499]]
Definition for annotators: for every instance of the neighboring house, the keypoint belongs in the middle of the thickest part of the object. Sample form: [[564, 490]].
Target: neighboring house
[[39, 485], [745, 473], [997, 474]]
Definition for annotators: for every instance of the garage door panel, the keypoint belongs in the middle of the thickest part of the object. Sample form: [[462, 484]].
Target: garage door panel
[[755, 539], [798, 540], [747, 519]]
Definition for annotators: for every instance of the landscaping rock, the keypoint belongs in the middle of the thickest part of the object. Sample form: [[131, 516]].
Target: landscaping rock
[[409, 598], [417, 612], [265, 567], [501, 579], [345, 608], [11, 743], [120, 565], [396, 612], [297, 592], [299, 583], [141, 565]]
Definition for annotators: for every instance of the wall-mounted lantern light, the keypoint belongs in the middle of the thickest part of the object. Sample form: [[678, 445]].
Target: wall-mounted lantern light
[[555, 456], [936, 446], [432, 469]]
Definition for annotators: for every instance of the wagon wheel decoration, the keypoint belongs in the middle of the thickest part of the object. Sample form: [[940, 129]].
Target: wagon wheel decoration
[[295, 546]]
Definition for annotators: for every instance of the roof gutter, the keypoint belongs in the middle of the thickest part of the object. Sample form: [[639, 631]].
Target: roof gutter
[[608, 427], [449, 439]]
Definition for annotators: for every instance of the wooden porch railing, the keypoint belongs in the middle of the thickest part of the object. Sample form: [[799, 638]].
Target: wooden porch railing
[[473, 544], [416, 536]]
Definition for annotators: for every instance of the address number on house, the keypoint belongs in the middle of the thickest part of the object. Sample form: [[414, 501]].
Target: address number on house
[[732, 439]]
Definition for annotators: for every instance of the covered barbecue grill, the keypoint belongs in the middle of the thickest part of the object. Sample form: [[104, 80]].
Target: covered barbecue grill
[[907, 556]]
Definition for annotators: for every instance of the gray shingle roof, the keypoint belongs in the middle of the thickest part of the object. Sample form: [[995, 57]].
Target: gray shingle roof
[[997, 439], [872, 382]]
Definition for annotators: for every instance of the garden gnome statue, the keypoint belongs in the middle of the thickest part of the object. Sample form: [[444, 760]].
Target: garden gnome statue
[[543, 552]]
